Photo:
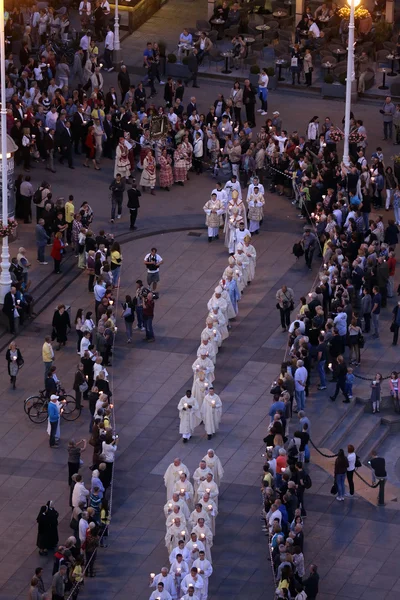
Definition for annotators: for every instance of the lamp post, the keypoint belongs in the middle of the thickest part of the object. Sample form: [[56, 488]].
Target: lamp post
[[349, 81], [117, 43]]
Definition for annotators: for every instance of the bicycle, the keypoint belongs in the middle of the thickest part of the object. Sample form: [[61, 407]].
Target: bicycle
[[36, 407]]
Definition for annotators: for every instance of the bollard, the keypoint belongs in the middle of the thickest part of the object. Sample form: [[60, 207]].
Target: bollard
[[381, 492]]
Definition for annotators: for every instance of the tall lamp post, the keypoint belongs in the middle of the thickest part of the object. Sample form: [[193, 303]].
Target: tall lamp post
[[117, 43], [349, 81]]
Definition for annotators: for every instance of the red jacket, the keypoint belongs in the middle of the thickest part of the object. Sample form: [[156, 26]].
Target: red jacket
[[56, 249]]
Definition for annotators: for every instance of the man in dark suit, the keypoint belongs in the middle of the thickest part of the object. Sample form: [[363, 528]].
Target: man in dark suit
[[191, 106], [11, 308], [193, 65], [78, 129], [66, 144], [133, 204]]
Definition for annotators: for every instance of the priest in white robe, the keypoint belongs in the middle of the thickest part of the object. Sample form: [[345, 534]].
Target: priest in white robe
[[211, 510], [194, 546], [179, 569], [251, 254], [176, 514], [189, 416], [211, 412], [208, 347], [171, 475], [212, 334], [200, 475], [200, 388], [219, 321], [176, 499], [185, 490], [214, 463], [217, 299], [180, 549], [225, 295], [160, 593], [205, 570], [206, 365], [175, 532], [250, 190], [199, 513], [233, 185], [190, 594], [195, 580], [205, 535], [209, 487], [245, 262], [167, 580]]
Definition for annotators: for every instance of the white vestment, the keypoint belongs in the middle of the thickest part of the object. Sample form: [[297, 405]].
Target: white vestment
[[222, 326], [171, 475], [204, 534], [189, 418], [214, 336], [216, 467], [196, 583], [251, 254], [194, 549], [220, 302], [206, 365], [208, 349], [185, 553], [205, 573], [188, 492], [168, 581], [198, 476], [173, 535], [195, 516], [209, 487], [161, 595], [211, 412], [168, 507], [199, 390]]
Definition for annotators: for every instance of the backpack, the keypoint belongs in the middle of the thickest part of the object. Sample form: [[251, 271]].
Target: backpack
[[297, 250], [307, 481], [37, 196]]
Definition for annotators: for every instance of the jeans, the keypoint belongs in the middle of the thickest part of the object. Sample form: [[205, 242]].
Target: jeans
[[115, 275], [321, 373], [128, 329], [340, 484], [263, 95], [53, 429], [285, 317], [108, 58], [375, 323], [307, 453], [300, 399], [365, 216], [389, 198], [308, 255], [139, 314], [388, 130], [396, 210], [40, 253], [47, 367], [148, 323], [115, 202]]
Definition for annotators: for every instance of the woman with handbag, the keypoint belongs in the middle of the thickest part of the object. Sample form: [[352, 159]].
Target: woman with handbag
[[80, 385], [128, 312], [57, 252], [15, 362], [355, 334]]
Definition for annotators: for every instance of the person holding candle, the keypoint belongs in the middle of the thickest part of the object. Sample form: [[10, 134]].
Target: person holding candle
[[185, 489], [176, 500], [210, 488], [179, 569], [174, 515], [160, 593], [205, 365], [166, 580], [205, 570], [14, 362], [215, 465], [193, 580], [212, 510], [175, 532], [212, 334], [200, 475], [204, 534], [194, 546], [189, 416], [199, 512], [172, 474], [180, 550], [219, 321], [211, 412], [207, 346]]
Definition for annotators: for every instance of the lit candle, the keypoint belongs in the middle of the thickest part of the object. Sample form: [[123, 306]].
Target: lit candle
[[194, 546], [198, 569], [214, 331], [116, 329], [180, 472], [169, 505], [178, 570], [182, 490], [202, 536], [173, 521], [87, 377], [209, 507], [111, 302], [152, 575], [185, 405], [208, 490], [283, 470], [14, 358], [183, 533], [111, 405]]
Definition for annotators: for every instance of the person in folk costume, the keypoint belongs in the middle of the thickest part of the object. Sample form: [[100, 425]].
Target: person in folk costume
[[233, 290], [219, 322], [172, 474], [214, 463], [205, 365], [189, 416], [148, 176], [212, 333], [185, 490], [131, 153], [166, 173], [233, 185], [145, 145], [180, 170], [250, 190], [207, 345], [200, 388], [217, 300], [188, 149], [256, 210], [237, 273], [122, 164], [243, 261], [211, 412], [251, 254], [213, 209]]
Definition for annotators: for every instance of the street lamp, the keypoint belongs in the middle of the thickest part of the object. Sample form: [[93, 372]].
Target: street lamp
[[349, 81], [117, 43]]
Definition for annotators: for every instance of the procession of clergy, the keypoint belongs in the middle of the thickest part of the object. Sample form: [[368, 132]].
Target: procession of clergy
[[191, 510]]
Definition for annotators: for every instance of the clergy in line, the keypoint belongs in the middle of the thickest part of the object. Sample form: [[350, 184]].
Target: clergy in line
[[167, 581], [219, 321], [189, 416], [254, 184], [176, 500], [185, 490], [232, 225], [194, 545], [199, 475], [230, 310], [251, 254], [194, 580], [210, 487], [206, 345], [179, 569], [199, 513], [233, 185], [215, 465], [172, 474], [205, 535], [211, 412], [256, 211], [175, 532], [160, 593], [217, 300], [211, 510], [237, 274], [245, 262], [212, 334], [204, 364], [213, 209], [182, 550], [200, 388], [205, 570], [231, 287], [176, 514], [190, 594]]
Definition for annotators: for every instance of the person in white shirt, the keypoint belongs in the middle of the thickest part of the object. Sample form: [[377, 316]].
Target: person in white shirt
[[172, 117], [195, 580], [314, 29], [79, 493], [51, 118], [83, 527], [263, 91], [85, 343], [300, 382], [108, 50], [167, 580], [160, 593]]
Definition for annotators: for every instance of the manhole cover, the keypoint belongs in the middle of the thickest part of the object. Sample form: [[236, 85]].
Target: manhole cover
[[194, 234]]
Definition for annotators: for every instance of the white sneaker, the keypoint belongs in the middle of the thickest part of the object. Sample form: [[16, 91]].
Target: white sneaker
[[162, 82], [259, 110], [44, 263], [263, 113], [118, 216], [338, 498]]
